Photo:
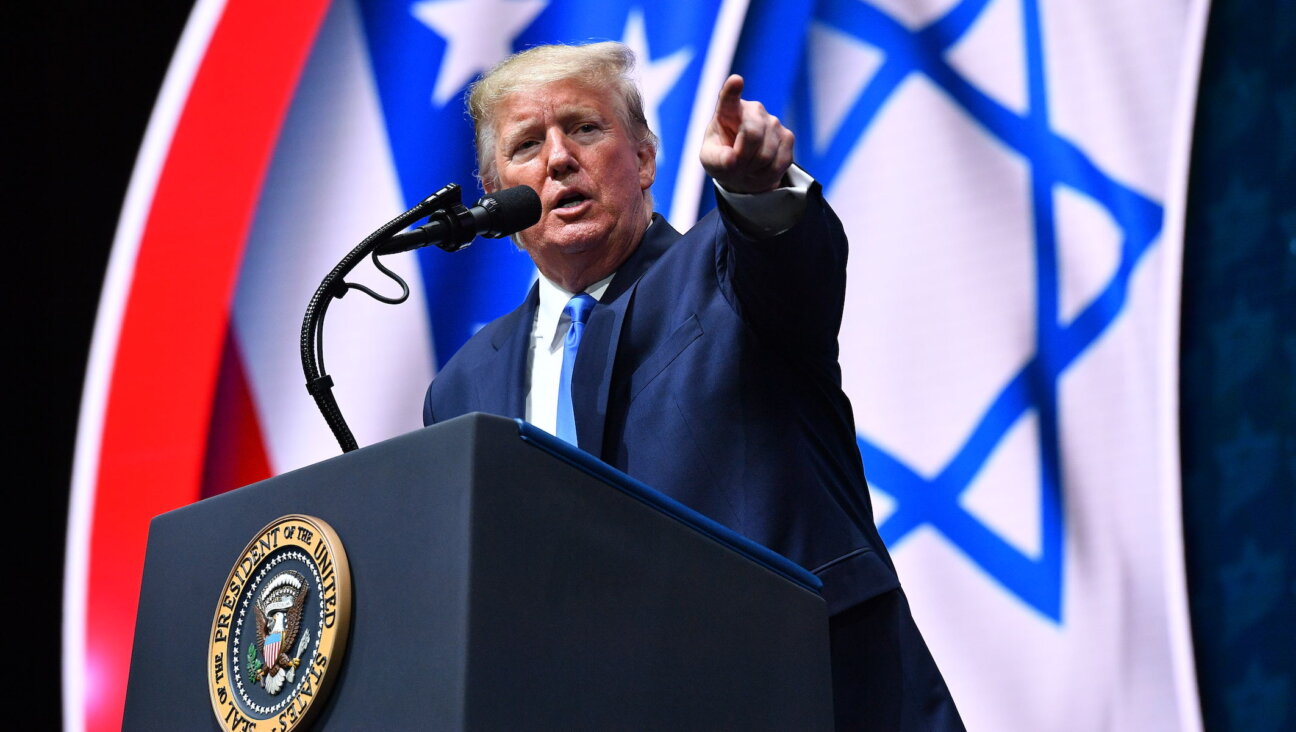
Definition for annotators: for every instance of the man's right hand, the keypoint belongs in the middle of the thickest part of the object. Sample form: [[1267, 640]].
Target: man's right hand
[[746, 149]]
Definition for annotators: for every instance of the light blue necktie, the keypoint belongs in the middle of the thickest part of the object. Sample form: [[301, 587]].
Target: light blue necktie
[[578, 309]]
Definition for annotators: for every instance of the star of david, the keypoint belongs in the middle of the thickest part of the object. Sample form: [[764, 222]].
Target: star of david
[[933, 500]]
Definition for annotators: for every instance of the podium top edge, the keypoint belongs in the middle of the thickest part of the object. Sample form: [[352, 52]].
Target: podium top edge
[[708, 527]]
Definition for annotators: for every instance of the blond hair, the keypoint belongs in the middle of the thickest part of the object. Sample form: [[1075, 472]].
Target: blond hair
[[606, 65]]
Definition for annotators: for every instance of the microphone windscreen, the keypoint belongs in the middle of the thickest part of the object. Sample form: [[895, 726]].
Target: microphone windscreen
[[511, 210]]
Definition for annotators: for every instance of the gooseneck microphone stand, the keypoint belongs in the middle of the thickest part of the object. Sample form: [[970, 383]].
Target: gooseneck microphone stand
[[318, 382]]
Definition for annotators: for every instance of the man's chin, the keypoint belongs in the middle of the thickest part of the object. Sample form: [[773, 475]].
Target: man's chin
[[575, 238]]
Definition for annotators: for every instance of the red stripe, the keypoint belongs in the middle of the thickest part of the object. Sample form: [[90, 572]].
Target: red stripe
[[177, 312], [236, 454]]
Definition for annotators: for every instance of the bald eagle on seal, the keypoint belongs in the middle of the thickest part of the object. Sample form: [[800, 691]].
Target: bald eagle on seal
[[278, 617]]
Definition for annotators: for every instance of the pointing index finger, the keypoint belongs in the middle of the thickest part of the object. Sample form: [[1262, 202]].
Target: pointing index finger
[[729, 104]]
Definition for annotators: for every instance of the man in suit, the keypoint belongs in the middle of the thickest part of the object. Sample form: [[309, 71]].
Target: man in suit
[[707, 362]]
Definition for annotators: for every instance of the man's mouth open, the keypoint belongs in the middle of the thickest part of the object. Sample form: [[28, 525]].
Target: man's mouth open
[[570, 204]]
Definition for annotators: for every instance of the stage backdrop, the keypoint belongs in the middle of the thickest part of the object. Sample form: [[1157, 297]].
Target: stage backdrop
[[1012, 176]]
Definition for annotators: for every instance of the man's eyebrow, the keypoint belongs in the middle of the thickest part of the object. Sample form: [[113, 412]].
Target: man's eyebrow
[[578, 110]]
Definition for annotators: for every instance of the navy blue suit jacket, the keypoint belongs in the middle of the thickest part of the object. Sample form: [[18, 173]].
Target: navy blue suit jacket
[[708, 370]]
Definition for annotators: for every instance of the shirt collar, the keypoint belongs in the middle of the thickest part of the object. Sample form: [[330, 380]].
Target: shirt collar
[[550, 322]]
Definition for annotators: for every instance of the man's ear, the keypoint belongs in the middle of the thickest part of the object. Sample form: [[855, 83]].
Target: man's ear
[[647, 166], [489, 178]]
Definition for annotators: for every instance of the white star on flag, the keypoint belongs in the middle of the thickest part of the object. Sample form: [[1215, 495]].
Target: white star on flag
[[478, 34], [656, 78]]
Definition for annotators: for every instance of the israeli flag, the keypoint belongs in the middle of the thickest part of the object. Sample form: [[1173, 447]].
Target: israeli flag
[[1012, 174]]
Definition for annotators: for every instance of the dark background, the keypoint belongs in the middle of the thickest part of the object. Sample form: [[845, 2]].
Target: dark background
[[84, 77], [1238, 369]]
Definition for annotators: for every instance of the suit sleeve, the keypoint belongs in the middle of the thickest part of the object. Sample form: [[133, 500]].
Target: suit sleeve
[[789, 288]]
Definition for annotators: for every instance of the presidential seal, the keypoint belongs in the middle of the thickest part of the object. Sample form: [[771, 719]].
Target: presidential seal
[[280, 627]]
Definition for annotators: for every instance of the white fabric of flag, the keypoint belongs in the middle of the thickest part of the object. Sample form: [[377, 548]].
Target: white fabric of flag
[[1011, 175]]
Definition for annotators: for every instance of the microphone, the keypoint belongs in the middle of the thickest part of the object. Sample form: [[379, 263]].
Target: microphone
[[495, 215]]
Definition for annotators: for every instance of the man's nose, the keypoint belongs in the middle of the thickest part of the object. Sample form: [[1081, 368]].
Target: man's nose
[[562, 159]]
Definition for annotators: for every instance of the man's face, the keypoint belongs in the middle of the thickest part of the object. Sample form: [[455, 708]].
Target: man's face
[[566, 140]]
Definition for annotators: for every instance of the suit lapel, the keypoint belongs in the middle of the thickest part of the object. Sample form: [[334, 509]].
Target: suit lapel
[[512, 343], [592, 375]]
